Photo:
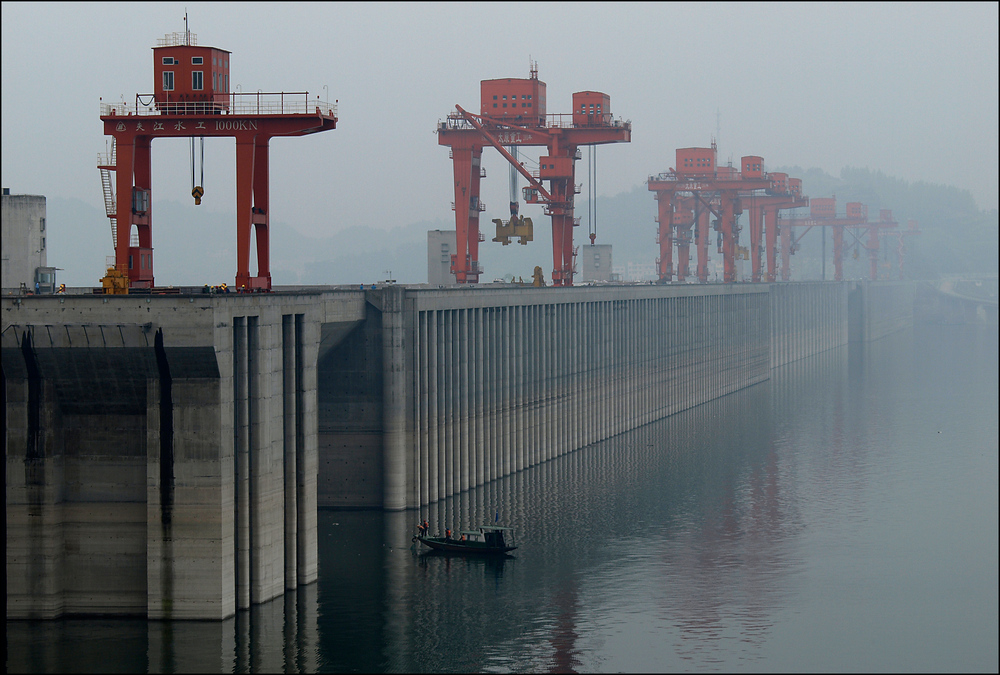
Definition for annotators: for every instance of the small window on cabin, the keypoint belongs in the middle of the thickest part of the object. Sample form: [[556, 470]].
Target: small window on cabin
[[494, 97], [529, 105], [215, 81], [505, 98], [197, 80], [197, 60], [216, 62], [494, 105], [168, 60], [168, 80], [504, 105], [41, 224], [43, 242]]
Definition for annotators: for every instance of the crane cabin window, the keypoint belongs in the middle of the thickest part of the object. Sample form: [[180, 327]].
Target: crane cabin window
[[197, 60], [168, 60], [197, 80], [168, 80]]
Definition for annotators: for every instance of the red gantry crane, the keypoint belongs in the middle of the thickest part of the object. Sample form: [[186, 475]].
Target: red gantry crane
[[822, 213], [192, 98], [901, 235], [721, 191], [513, 113], [873, 244]]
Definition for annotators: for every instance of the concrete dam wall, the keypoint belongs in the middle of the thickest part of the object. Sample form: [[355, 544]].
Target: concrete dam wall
[[165, 455]]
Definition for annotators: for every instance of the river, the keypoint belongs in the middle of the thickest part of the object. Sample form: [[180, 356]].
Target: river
[[840, 517]]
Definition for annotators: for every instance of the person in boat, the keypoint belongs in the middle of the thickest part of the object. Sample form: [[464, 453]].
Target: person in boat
[[423, 527], [462, 538], [447, 535]]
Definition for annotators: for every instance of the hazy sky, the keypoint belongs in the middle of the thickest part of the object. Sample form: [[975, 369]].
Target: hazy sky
[[908, 89]]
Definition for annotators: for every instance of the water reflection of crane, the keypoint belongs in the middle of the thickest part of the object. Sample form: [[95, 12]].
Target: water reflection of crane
[[564, 635]]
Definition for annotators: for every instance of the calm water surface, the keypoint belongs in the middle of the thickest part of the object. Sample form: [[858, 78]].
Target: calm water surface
[[842, 516]]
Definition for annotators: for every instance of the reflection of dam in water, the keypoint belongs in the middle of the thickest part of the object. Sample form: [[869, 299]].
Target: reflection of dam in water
[[712, 536], [166, 454]]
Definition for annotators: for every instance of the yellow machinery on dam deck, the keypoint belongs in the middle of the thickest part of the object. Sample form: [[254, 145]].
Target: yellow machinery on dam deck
[[165, 455]]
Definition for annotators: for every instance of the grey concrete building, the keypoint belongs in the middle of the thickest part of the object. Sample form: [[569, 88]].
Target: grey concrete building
[[441, 244], [24, 259], [595, 262]]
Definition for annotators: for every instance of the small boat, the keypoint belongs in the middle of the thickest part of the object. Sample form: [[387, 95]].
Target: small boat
[[484, 540]]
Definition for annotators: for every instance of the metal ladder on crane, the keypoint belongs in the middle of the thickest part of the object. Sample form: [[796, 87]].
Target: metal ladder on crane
[[106, 162]]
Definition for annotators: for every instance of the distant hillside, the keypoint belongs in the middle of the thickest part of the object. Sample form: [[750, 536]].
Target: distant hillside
[[195, 247]]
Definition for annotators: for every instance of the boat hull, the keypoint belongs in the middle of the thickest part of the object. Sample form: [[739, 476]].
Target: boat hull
[[457, 546]]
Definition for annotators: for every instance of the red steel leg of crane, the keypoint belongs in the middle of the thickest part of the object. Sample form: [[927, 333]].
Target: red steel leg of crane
[[756, 222], [562, 250], [838, 252], [771, 243], [562, 231], [728, 224], [786, 252], [475, 176], [462, 164], [665, 208], [259, 215], [703, 216], [873, 251], [245, 151], [683, 250], [142, 257], [124, 172]]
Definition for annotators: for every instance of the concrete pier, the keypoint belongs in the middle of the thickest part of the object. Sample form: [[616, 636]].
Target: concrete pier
[[161, 451], [165, 455]]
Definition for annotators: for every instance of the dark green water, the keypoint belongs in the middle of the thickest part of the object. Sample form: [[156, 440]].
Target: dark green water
[[840, 517]]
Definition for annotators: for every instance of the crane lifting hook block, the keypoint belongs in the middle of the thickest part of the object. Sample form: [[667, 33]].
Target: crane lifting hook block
[[198, 192]]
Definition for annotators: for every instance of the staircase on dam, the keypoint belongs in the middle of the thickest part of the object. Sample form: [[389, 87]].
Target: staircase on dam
[[165, 455]]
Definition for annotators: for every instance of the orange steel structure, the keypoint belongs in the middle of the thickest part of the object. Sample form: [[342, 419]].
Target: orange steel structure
[[872, 245], [822, 213], [911, 230], [192, 99], [784, 193], [513, 113], [721, 191]]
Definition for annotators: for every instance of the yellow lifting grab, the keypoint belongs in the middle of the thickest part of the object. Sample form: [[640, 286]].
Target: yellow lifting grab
[[520, 227], [197, 191]]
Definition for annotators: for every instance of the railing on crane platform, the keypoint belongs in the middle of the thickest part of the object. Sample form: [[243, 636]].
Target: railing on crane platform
[[236, 103], [456, 122]]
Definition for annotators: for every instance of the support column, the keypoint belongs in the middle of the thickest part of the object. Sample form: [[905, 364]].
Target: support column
[[124, 175], [394, 399], [241, 428], [290, 396], [259, 215], [245, 155], [756, 218], [771, 235], [462, 167], [786, 251], [665, 211]]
